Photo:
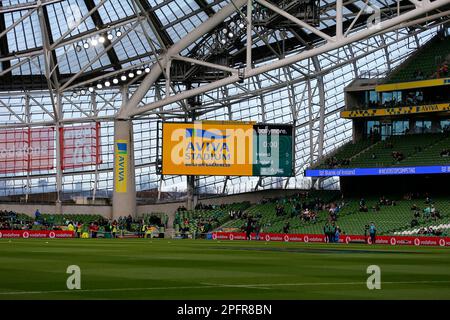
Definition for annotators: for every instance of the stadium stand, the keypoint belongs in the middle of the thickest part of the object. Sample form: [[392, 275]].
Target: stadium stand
[[202, 220], [416, 149], [428, 60], [395, 217]]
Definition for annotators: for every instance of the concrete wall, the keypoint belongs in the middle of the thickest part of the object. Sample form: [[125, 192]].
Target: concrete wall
[[168, 208]]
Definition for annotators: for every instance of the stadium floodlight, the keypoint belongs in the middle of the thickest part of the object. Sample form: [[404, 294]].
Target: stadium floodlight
[[110, 36], [223, 41], [123, 78], [230, 35], [241, 25], [107, 84], [86, 45], [83, 92], [224, 30], [101, 39], [139, 72], [94, 42], [131, 75], [78, 48], [147, 70], [115, 81], [118, 33], [91, 89], [99, 86]]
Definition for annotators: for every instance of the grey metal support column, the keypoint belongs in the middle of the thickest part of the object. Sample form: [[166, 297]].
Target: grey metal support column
[[95, 114], [28, 121], [191, 185], [124, 193], [59, 173], [190, 192], [321, 88]]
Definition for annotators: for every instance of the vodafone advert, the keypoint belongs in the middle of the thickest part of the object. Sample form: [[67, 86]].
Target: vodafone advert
[[35, 234], [319, 238]]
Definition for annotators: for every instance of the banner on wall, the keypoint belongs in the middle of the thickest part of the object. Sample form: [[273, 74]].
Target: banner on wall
[[80, 145], [27, 149], [319, 238], [121, 165]]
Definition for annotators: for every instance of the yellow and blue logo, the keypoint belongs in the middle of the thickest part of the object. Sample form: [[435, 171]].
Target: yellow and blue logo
[[121, 165]]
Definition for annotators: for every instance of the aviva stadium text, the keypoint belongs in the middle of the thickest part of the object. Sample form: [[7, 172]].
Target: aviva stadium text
[[207, 151]]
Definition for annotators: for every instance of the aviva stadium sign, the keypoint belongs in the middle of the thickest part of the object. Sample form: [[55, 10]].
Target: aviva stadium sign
[[227, 149], [121, 165]]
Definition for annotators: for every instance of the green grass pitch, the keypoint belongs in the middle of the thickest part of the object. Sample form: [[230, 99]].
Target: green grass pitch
[[205, 269]]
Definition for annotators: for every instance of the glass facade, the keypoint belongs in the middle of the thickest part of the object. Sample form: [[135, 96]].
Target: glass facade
[[309, 94]]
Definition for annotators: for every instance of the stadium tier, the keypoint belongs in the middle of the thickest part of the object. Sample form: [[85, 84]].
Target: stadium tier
[[203, 220], [350, 218], [428, 60], [414, 150]]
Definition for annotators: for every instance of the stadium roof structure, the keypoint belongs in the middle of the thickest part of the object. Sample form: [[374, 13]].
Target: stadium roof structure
[[285, 61]]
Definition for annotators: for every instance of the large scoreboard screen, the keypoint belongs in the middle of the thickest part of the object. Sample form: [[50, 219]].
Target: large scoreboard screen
[[227, 148]]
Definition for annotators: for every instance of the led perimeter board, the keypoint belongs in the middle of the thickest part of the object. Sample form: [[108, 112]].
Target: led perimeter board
[[227, 148]]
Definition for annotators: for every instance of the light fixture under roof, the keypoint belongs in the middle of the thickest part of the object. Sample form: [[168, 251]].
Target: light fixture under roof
[[123, 78], [107, 84], [223, 41], [99, 86], [147, 70], [110, 36], [83, 92], [139, 72], [230, 35], [131, 75], [91, 89], [86, 45], [78, 48], [101, 39], [94, 42], [241, 25], [118, 33], [115, 81]]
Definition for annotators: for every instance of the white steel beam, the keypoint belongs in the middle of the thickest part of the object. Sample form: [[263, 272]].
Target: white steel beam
[[301, 23], [393, 23], [185, 42]]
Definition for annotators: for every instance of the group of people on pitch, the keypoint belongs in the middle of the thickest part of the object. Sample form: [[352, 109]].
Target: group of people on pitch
[[332, 232]]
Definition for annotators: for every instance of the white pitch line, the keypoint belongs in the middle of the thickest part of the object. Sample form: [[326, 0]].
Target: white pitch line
[[212, 285], [236, 286], [105, 290], [257, 285]]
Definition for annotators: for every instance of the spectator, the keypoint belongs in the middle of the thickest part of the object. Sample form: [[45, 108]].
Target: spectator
[[326, 232], [257, 230], [248, 229], [337, 234], [286, 227], [37, 215], [372, 232], [414, 222], [445, 153]]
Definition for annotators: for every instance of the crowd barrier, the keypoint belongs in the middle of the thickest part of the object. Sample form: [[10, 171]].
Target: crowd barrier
[[305, 238], [319, 238], [26, 234]]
